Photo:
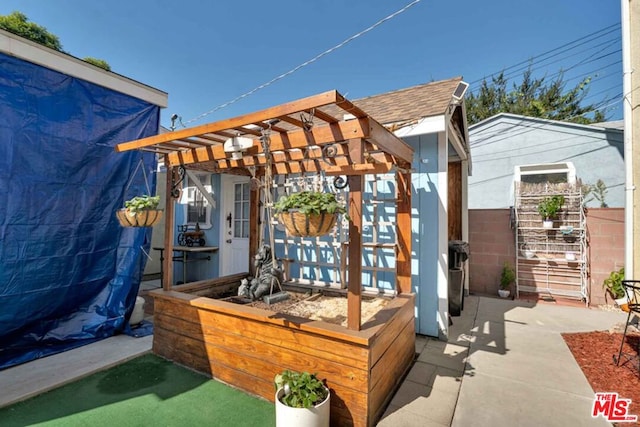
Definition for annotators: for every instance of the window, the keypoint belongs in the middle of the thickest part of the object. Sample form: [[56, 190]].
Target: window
[[241, 210], [197, 209], [546, 172]]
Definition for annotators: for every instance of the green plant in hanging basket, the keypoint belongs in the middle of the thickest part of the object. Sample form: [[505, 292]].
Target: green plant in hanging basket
[[140, 211], [310, 202], [309, 213], [140, 203]]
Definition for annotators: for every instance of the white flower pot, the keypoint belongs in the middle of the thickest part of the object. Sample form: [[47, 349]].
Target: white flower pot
[[504, 293], [317, 416], [547, 223], [137, 315]]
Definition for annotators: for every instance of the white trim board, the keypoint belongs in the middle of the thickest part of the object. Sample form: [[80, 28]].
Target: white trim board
[[27, 50], [443, 238], [425, 126]]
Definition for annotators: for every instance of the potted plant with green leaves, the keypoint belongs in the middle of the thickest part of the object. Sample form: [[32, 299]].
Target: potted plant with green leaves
[[549, 208], [308, 213], [507, 278], [301, 400], [613, 285], [140, 211]]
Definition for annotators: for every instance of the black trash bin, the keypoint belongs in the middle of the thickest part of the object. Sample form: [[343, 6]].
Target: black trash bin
[[458, 254]]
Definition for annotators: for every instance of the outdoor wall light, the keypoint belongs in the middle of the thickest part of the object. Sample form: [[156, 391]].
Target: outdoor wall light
[[237, 145]]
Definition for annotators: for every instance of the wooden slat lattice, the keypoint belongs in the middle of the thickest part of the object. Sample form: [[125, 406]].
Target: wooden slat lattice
[[319, 262]]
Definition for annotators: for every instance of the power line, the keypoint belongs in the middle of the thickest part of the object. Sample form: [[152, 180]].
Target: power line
[[582, 39], [567, 47], [596, 72], [535, 65], [304, 64], [583, 61]]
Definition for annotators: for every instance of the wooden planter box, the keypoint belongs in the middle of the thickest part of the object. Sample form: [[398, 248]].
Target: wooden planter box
[[246, 347]]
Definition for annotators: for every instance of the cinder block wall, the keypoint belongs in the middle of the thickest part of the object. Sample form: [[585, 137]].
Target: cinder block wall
[[605, 227], [492, 242]]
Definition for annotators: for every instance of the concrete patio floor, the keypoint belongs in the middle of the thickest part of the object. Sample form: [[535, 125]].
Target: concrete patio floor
[[505, 364]]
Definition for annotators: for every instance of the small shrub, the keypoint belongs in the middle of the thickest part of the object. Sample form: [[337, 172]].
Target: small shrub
[[507, 277], [613, 284]]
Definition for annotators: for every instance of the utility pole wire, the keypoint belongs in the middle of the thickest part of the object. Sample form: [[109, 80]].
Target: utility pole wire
[[563, 48], [304, 64]]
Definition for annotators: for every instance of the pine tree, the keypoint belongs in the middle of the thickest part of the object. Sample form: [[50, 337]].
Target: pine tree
[[533, 97]]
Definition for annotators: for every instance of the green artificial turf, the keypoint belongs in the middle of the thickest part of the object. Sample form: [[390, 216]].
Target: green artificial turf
[[147, 391]]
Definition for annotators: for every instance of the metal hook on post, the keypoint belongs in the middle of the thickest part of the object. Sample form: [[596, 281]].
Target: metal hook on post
[[340, 182], [175, 190], [307, 120]]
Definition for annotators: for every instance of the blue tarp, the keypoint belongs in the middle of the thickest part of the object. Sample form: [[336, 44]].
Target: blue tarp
[[69, 273]]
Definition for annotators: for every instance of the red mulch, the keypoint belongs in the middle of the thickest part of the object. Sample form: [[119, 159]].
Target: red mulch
[[594, 350]]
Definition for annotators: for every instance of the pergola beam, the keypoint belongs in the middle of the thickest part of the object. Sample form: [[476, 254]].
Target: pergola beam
[[301, 139], [389, 143], [326, 98]]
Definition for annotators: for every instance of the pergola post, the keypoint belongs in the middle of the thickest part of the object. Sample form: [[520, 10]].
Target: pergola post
[[355, 253], [354, 288], [403, 231], [169, 219]]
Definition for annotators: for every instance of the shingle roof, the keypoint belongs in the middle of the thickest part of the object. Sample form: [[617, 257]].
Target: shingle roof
[[425, 100]]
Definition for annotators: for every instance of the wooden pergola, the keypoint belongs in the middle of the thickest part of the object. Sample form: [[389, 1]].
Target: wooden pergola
[[246, 346], [299, 133]]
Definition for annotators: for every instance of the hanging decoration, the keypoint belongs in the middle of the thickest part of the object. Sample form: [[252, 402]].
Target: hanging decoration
[[269, 274], [313, 211], [140, 211], [309, 213]]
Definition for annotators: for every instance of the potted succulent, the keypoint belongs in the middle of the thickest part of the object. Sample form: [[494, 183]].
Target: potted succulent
[[613, 285], [140, 211], [507, 277], [308, 213], [301, 400], [548, 209]]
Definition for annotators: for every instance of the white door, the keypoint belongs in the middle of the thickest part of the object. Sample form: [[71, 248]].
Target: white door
[[234, 227]]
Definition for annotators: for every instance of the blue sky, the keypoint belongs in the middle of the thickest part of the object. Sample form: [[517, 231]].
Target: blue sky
[[206, 53]]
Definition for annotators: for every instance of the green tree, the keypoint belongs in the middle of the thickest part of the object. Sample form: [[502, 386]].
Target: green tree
[[18, 23], [98, 63], [533, 97]]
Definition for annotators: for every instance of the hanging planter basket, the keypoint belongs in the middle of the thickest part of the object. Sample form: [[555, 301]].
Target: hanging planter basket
[[309, 213], [140, 211], [143, 218], [301, 225]]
